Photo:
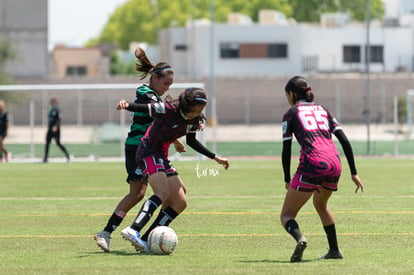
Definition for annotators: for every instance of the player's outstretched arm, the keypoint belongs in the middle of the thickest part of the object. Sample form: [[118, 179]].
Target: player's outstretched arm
[[200, 148], [132, 106], [123, 104], [150, 108]]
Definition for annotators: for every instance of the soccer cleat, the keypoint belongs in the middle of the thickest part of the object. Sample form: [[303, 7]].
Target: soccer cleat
[[70, 158], [298, 252], [333, 254], [146, 248], [134, 238], [102, 239]]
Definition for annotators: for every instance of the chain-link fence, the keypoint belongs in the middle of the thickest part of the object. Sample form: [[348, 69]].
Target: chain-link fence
[[90, 119]]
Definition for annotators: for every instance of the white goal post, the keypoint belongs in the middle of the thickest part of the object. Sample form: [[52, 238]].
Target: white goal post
[[77, 92], [80, 87], [410, 95], [96, 86]]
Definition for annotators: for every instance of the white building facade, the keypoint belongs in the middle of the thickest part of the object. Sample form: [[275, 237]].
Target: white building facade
[[23, 24], [257, 49]]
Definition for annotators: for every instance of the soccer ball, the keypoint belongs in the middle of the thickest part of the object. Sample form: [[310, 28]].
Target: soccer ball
[[162, 240]]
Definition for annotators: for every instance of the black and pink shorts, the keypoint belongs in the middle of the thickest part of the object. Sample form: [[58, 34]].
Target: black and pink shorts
[[306, 183], [152, 165]]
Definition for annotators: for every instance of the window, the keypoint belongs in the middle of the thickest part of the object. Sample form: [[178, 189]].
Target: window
[[277, 50], [352, 54], [76, 70], [229, 50], [376, 54], [180, 47], [253, 50]]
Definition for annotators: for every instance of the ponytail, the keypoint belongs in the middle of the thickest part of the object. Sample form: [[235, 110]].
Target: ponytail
[[144, 65], [299, 86]]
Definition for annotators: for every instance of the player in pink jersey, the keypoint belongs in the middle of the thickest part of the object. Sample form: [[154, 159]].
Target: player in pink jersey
[[319, 167], [161, 77], [173, 120]]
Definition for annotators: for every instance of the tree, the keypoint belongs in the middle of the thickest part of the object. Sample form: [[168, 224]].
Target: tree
[[253, 7], [6, 54], [140, 20], [310, 10], [121, 67]]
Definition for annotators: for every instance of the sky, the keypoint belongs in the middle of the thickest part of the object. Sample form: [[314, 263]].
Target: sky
[[74, 22]]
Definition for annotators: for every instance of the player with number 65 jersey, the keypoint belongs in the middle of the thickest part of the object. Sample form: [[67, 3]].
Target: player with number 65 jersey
[[312, 126], [319, 166]]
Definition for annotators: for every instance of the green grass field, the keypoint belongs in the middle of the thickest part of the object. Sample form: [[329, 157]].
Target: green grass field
[[50, 212], [114, 149]]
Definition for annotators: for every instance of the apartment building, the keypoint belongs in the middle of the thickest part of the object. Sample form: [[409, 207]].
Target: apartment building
[[278, 46]]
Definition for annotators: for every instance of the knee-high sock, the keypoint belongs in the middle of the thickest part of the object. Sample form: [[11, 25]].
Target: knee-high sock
[[292, 228], [331, 236], [113, 222], [165, 217], [145, 214]]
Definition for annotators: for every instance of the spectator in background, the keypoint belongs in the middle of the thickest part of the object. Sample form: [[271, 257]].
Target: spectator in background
[[161, 78], [4, 125], [53, 130]]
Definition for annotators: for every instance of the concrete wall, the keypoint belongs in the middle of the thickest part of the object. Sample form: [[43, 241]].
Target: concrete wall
[[262, 100]]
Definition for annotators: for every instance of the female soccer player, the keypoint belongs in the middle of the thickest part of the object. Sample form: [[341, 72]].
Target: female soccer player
[[4, 125], [319, 167], [161, 78], [172, 120]]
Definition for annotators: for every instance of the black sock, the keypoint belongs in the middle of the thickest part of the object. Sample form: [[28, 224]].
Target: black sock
[[331, 235], [292, 228], [113, 222], [145, 214], [165, 217]]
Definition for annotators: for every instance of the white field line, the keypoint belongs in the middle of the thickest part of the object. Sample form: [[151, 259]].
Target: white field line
[[190, 197], [227, 235]]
